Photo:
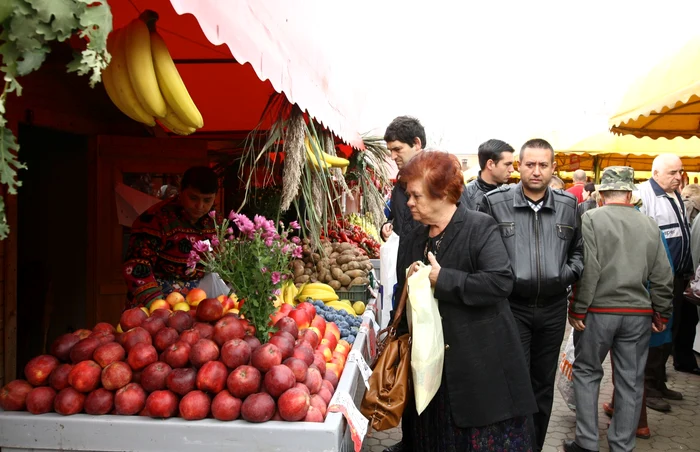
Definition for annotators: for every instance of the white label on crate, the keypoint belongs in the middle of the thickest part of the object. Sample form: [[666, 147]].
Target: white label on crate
[[356, 357], [343, 403]]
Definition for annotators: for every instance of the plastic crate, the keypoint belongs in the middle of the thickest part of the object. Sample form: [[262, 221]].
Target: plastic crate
[[354, 293]]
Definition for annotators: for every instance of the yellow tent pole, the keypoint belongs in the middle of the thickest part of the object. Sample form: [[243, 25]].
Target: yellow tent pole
[[596, 169]]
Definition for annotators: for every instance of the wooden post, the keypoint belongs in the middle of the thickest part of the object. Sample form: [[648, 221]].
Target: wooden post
[[10, 282]]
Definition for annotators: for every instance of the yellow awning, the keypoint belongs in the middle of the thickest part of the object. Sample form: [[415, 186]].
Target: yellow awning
[[666, 102]]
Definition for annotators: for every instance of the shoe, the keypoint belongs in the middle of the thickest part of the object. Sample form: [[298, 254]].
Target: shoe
[[398, 447], [608, 409], [669, 394], [695, 371], [571, 446], [643, 433], [658, 404]]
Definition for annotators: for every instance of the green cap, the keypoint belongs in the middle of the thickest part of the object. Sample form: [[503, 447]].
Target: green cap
[[618, 178]]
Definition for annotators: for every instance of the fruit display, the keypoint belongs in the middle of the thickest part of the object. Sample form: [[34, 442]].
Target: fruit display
[[143, 82], [344, 231], [204, 362], [365, 223], [345, 266]]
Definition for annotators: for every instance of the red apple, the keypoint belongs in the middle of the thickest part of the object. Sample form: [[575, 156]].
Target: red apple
[[228, 328], [116, 375], [194, 406], [276, 416], [153, 325], [258, 407], [130, 399], [135, 336], [38, 370], [209, 310], [206, 330], [298, 368], [181, 321], [40, 400], [226, 407], [177, 355], [303, 387], [266, 356], [320, 363], [332, 377], [278, 379], [85, 376], [285, 308], [182, 380], [59, 377], [327, 385], [190, 336], [131, 318], [162, 313], [235, 352], [329, 339], [276, 317], [104, 327], [211, 377], [13, 396], [301, 317], [313, 415], [325, 394], [84, 349], [333, 329], [68, 401], [82, 333], [103, 337], [203, 351], [289, 325], [100, 401], [284, 342], [319, 323], [253, 341], [320, 404], [309, 308], [61, 347], [310, 336], [161, 404], [244, 381], [141, 355], [165, 338], [304, 352], [109, 353], [154, 376], [313, 380], [293, 404]]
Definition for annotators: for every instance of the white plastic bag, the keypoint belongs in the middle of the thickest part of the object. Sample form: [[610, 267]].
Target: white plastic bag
[[387, 275], [565, 374], [428, 345], [213, 285]]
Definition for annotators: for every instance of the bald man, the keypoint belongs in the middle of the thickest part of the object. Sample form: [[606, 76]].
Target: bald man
[[662, 201], [579, 182]]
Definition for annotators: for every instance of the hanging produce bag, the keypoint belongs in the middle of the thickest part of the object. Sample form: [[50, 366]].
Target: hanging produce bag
[[565, 374]]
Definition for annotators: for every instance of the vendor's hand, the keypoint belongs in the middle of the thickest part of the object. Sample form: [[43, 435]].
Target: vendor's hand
[[577, 324], [658, 329], [387, 230], [433, 277]]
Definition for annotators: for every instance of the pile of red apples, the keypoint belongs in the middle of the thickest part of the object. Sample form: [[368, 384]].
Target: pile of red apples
[[192, 364]]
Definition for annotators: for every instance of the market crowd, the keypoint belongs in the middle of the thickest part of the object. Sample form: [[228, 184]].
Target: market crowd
[[512, 262]]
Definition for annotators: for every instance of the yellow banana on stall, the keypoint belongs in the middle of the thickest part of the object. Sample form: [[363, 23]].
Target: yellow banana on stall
[[139, 61]]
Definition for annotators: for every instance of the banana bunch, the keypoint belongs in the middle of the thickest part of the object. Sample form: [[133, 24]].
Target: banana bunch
[[289, 292], [143, 82], [326, 160], [317, 291]]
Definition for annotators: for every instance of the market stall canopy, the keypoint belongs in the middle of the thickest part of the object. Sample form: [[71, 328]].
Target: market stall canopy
[[665, 102], [609, 150], [283, 51]]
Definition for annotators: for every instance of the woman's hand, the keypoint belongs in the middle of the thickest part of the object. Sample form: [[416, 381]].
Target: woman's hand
[[433, 277]]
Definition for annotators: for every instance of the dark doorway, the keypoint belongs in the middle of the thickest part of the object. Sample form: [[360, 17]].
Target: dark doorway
[[52, 239]]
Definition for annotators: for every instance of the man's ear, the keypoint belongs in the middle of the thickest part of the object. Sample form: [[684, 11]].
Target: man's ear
[[490, 164], [417, 143], [554, 165]]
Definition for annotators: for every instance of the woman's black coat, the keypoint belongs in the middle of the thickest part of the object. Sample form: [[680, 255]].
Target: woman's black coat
[[485, 371]]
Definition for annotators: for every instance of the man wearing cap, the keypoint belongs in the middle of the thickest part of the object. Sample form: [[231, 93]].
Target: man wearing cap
[[624, 294]]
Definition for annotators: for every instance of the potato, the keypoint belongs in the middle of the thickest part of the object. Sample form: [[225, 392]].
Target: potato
[[322, 274], [315, 257], [356, 273], [336, 272], [344, 268], [327, 277], [313, 279], [297, 268], [334, 254], [335, 284], [345, 280], [354, 265], [344, 258], [301, 279], [344, 246], [359, 282], [308, 271]]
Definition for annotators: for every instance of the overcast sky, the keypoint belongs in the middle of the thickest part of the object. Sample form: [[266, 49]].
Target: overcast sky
[[510, 69]]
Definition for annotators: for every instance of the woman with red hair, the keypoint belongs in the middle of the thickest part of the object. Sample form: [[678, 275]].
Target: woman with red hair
[[485, 395]]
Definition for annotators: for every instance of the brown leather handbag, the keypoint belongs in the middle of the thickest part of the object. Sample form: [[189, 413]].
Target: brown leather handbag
[[383, 404]]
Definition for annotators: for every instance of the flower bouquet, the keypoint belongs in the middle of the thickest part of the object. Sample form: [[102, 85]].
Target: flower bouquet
[[253, 261]]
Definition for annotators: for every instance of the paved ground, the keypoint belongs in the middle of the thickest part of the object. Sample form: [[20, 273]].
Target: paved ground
[[677, 430]]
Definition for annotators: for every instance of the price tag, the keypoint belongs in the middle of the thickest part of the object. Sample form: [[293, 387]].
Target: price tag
[[343, 403], [356, 357], [367, 327]]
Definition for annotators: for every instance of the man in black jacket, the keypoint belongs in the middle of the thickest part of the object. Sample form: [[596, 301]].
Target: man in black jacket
[[496, 162], [540, 228]]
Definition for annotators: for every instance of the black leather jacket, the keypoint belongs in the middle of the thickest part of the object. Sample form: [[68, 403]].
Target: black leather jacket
[[545, 247], [475, 191]]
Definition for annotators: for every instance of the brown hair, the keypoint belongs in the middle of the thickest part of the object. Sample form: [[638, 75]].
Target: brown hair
[[440, 171]]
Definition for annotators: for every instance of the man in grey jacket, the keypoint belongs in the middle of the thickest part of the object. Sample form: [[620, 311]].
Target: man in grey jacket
[[625, 293]]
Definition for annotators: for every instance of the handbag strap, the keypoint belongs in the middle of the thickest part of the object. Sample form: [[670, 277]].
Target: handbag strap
[[402, 301]]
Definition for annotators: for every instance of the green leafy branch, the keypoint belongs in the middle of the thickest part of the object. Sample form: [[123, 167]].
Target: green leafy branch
[[28, 28]]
